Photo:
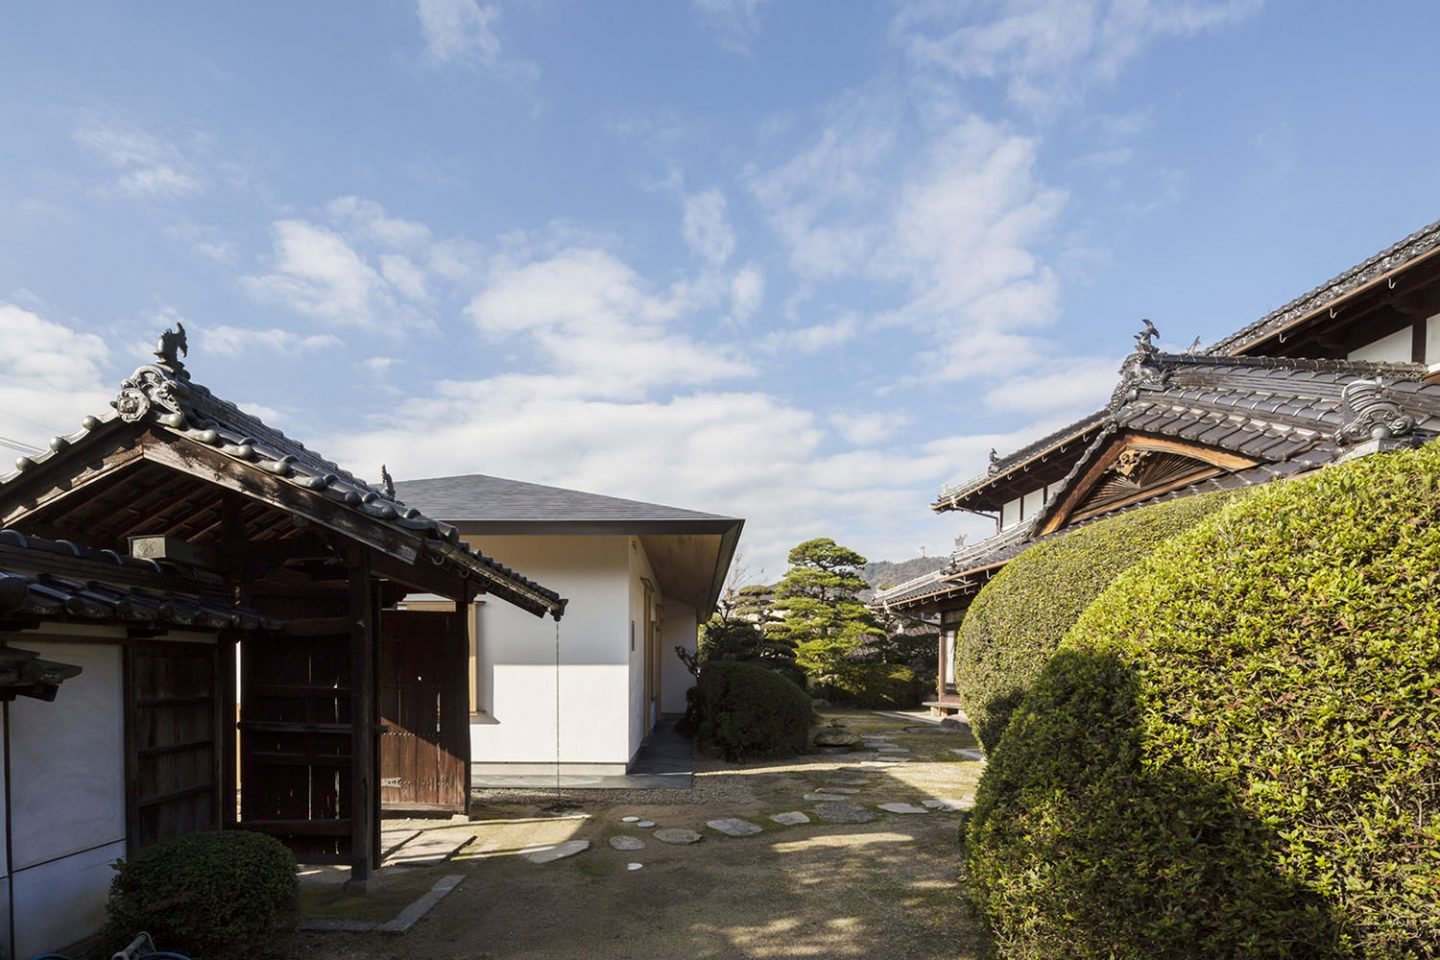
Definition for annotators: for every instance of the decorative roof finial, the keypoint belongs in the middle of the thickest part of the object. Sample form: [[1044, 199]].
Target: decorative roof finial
[[994, 461], [1194, 347], [172, 342], [387, 484], [1144, 340], [1368, 411]]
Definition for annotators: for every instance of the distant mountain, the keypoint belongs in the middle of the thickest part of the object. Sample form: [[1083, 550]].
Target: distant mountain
[[883, 574]]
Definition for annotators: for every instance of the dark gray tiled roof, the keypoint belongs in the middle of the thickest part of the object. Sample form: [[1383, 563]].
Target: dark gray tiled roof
[[957, 577], [1418, 244], [479, 498], [1071, 432], [57, 580], [163, 395]]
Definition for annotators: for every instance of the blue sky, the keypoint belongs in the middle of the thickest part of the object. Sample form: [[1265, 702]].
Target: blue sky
[[800, 262]]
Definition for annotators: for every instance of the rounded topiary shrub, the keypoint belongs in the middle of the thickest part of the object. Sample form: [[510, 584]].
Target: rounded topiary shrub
[[1236, 752], [879, 686], [1017, 621], [748, 712], [208, 895]]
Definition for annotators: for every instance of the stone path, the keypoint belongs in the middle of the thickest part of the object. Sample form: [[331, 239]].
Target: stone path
[[734, 827], [551, 852], [677, 835], [627, 843]]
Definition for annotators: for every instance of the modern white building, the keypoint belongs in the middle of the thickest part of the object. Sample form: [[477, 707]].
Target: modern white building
[[640, 578]]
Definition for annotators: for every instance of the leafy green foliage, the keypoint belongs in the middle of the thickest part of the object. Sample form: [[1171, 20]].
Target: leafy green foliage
[[1236, 752], [210, 895], [880, 686], [1016, 622], [749, 712], [818, 612]]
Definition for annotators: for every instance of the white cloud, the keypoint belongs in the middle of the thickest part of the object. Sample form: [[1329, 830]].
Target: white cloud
[[459, 30], [707, 227], [204, 240], [867, 429], [369, 219], [148, 166], [591, 316], [51, 377], [1072, 385], [812, 338], [235, 341], [1047, 51], [403, 275], [747, 290], [737, 22], [316, 272]]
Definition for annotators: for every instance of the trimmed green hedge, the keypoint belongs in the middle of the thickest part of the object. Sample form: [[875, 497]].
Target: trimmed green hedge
[[748, 712], [879, 685], [1017, 621], [1236, 752], [208, 895]]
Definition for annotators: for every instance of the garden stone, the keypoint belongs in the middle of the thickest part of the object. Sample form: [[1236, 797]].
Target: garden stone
[[677, 835], [968, 753], [555, 851], [949, 806], [821, 795], [629, 819], [733, 827], [848, 781], [627, 843], [646, 824], [843, 812], [902, 808], [829, 789], [837, 737], [950, 723], [790, 819], [633, 866]]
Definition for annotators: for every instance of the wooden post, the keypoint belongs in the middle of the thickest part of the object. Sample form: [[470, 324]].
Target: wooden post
[[227, 707], [364, 647]]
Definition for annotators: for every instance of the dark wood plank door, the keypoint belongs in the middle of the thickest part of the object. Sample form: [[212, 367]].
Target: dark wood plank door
[[295, 743], [424, 708], [173, 753]]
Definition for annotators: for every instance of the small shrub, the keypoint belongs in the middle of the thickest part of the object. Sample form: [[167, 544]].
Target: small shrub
[[1017, 621], [879, 685], [749, 712], [1236, 752], [210, 895]]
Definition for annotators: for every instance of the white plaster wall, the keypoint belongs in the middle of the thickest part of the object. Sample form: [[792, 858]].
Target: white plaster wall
[[678, 630], [1395, 347], [639, 568], [67, 799], [516, 656], [1432, 340]]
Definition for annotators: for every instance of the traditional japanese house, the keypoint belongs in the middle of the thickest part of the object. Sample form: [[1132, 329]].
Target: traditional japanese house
[[1344, 370], [159, 548]]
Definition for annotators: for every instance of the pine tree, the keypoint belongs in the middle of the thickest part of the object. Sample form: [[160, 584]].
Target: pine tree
[[817, 612]]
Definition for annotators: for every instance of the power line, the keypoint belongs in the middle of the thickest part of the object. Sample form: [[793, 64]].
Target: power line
[[20, 446]]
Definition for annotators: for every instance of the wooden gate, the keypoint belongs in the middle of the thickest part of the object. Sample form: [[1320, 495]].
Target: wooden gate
[[295, 743], [171, 744], [424, 707]]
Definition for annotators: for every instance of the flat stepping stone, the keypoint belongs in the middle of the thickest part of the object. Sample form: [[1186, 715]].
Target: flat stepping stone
[[892, 748], [829, 789], [629, 819], [734, 827], [821, 795], [428, 850], [902, 808], [633, 866], [645, 824], [677, 835], [551, 852], [968, 753], [848, 782], [949, 806], [791, 819], [627, 843], [843, 812]]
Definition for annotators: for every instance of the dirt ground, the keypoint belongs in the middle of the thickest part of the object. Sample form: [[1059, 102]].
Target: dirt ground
[[885, 889]]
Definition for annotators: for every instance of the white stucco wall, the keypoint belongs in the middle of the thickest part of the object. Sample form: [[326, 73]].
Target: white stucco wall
[[67, 799], [678, 630], [1395, 347], [516, 656]]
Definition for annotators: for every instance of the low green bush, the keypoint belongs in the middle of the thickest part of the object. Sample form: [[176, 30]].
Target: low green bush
[[1236, 752], [878, 686], [1017, 621], [209, 895], [748, 712]]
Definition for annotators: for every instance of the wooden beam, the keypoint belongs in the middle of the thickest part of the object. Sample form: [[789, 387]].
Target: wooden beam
[[246, 478], [364, 720], [422, 575], [63, 476]]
